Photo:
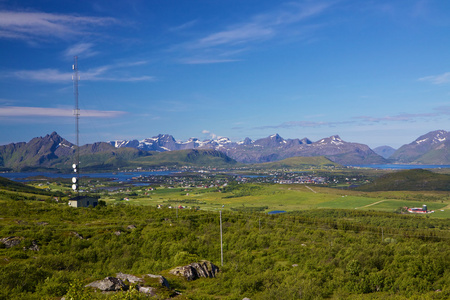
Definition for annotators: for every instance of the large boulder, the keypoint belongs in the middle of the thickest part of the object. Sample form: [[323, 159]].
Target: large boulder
[[109, 284], [196, 270]]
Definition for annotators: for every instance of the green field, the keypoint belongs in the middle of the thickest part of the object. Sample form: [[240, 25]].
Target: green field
[[288, 198]]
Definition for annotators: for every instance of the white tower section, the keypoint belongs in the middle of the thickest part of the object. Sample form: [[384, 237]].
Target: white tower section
[[76, 112]]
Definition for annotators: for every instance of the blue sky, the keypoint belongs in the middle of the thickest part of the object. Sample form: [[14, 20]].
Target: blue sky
[[374, 72]]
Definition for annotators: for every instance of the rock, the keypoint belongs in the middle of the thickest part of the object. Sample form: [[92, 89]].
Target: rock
[[34, 246], [196, 270], [129, 277], [131, 226], [118, 232], [77, 235], [11, 241], [163, 281], [109, 284], [246, 298], [146, 290]]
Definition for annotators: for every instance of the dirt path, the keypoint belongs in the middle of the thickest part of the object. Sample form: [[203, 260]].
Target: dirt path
[[311, 189], [375, 203]]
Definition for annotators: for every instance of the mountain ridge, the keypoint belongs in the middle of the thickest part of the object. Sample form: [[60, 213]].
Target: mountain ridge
[[53, 151], [269, 149], [430, 148]]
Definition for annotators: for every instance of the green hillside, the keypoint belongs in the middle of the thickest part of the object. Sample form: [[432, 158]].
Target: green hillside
[[409, 180], [199, 158], [20, 191], [439, 155], [318, 254], [299, 163]]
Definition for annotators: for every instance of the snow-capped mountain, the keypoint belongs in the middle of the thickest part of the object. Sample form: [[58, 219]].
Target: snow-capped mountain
[[267, 149], [430, 148], [166, 142]]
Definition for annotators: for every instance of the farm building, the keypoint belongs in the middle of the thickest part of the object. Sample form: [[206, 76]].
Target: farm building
[[420, 210], [83, 202]]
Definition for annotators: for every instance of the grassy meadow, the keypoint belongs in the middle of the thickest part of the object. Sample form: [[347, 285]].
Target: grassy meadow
[[295, 197]]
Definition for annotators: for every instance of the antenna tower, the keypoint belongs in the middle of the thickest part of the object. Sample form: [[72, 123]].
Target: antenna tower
[[76, 112]]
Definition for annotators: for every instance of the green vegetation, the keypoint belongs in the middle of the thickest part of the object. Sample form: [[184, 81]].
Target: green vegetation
[[410, 180], [332, 243], [305, 255], [293, 197], [190, 157], [299, 163]]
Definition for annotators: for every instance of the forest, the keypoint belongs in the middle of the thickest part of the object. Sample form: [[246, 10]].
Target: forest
[[306, 254]]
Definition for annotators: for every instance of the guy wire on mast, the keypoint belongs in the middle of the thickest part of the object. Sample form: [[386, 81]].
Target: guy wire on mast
[[76, 112]]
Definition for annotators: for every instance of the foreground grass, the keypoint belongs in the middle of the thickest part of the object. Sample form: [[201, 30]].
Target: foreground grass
[[317, 253]]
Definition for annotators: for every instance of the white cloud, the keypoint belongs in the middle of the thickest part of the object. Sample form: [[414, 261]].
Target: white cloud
[[364, 120], [23, 111], [36, 26], [261, 27], [199, 61], [44, 75], [396, 118], [437, 79], [219, 46], [102, 73], [80, 49], [209, 133]]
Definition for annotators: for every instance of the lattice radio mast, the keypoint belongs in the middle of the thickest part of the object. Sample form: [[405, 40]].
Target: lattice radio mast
[[76, 112]]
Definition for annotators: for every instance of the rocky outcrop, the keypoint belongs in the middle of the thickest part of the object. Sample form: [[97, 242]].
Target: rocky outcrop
[[109, 284], [11, 241], [114, 284], [196, 270], [128, 277]]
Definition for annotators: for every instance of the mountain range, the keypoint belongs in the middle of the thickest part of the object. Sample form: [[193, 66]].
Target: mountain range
[[269, 149], [431, 148], [53, 151]]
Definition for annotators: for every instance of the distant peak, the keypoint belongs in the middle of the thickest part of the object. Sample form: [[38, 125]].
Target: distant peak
[[276, 135]]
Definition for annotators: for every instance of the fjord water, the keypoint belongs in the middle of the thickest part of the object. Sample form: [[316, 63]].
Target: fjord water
[[120, 176]]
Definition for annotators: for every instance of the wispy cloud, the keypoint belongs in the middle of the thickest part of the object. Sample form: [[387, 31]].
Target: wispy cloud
[[262, 27], [39, 26], [437, 79], [80, 49], [364, 120], [209, 133], [304, 124], [23, 111], [219, 46], [199, 61], [400, 117], [443, 110], [102, 73], [183, 26]]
